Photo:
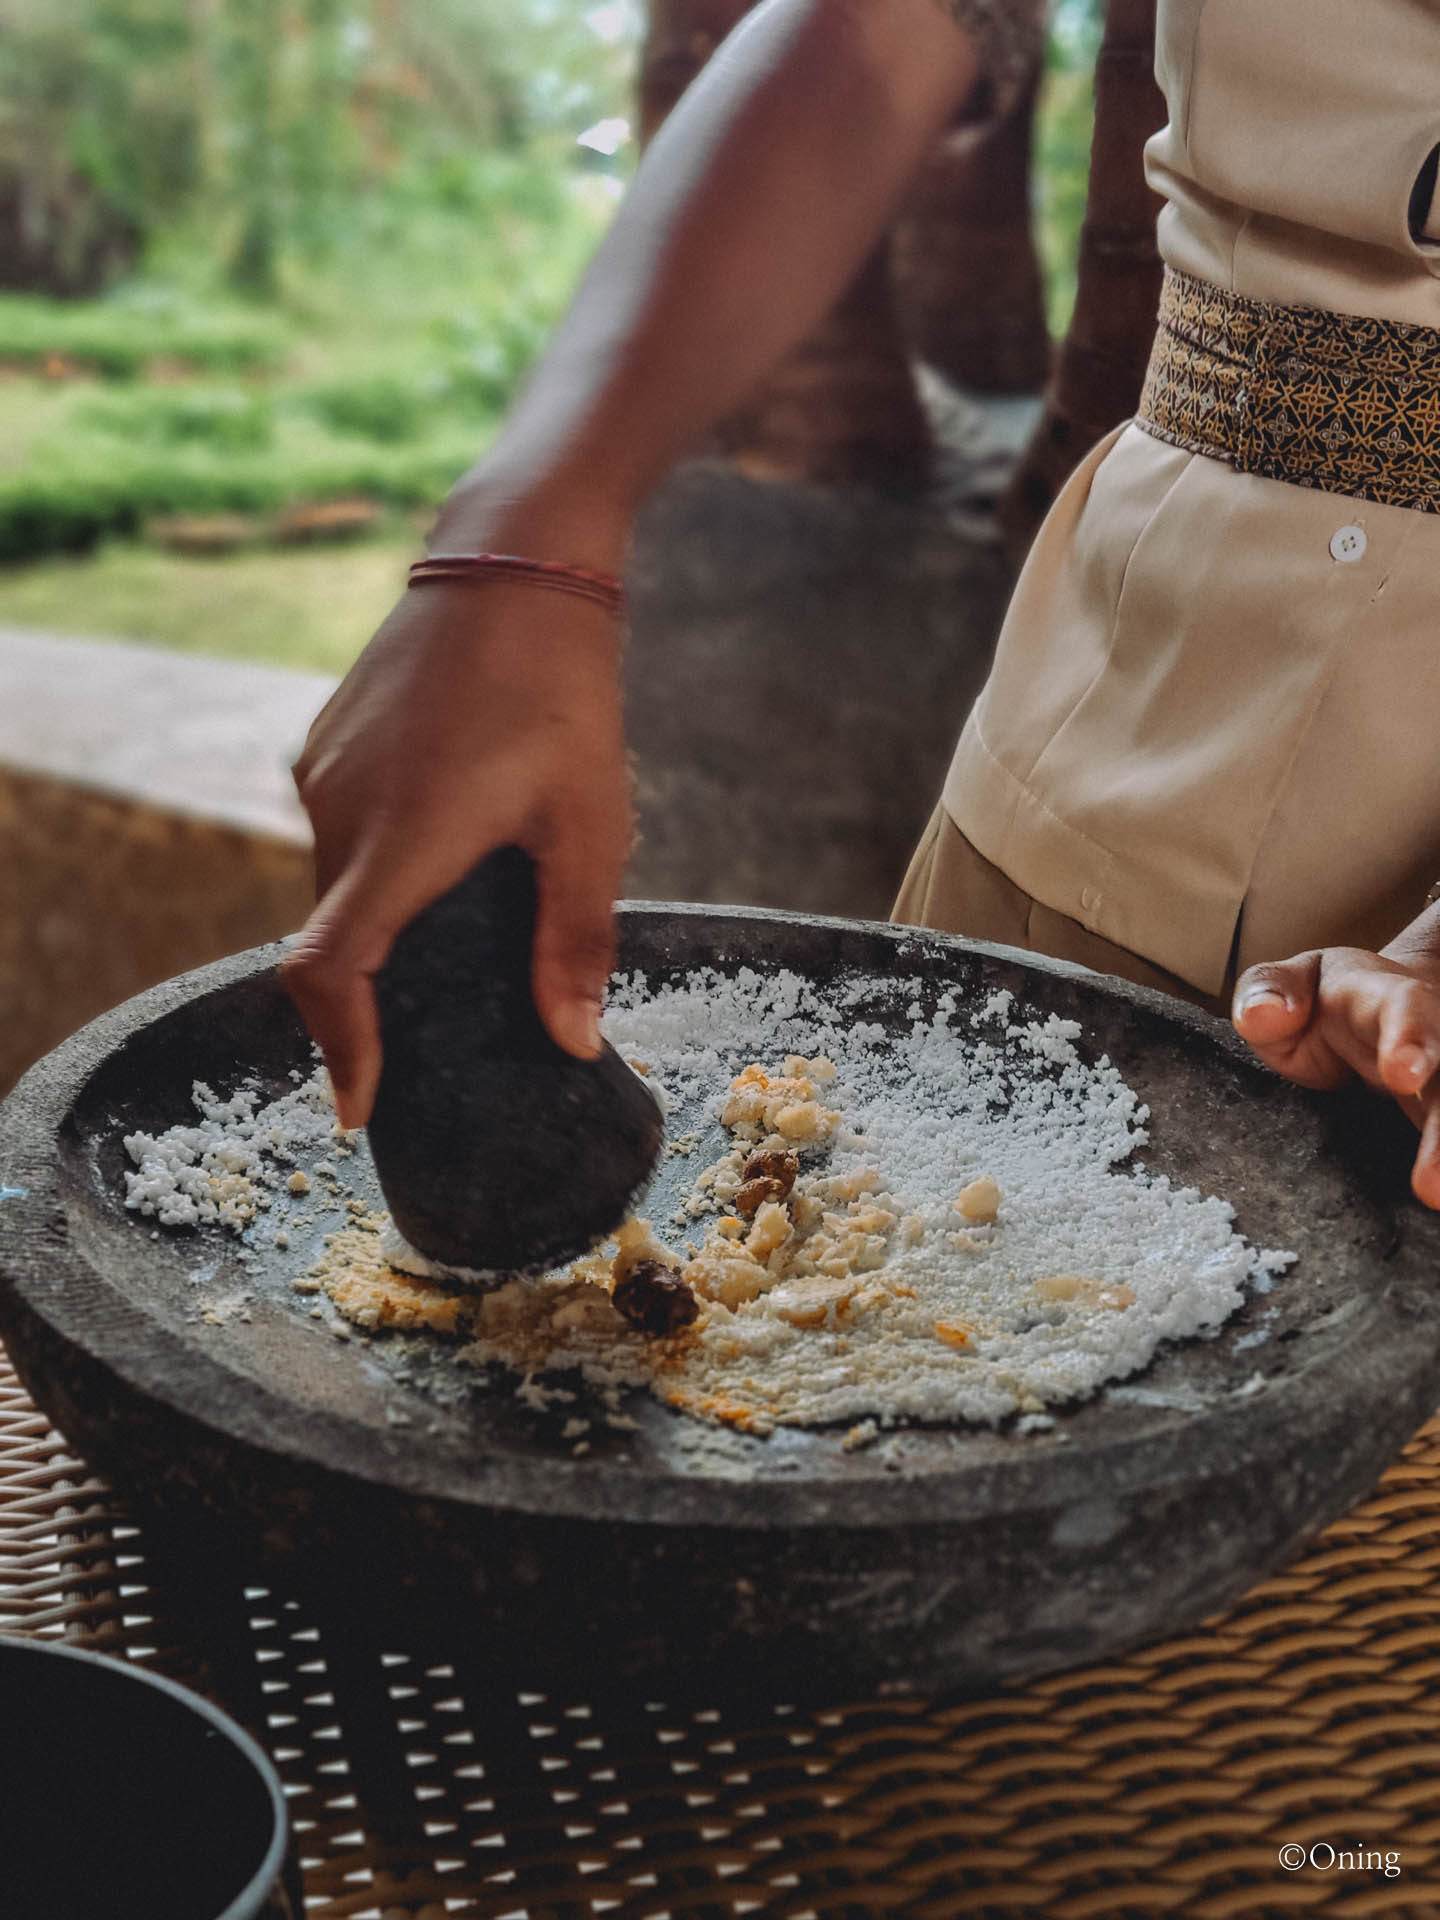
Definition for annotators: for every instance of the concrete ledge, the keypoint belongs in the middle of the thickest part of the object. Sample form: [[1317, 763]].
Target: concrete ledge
[[177, 731], [147, 823]]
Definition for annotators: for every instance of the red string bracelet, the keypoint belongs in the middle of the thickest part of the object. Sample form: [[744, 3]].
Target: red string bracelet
[[605, 589]]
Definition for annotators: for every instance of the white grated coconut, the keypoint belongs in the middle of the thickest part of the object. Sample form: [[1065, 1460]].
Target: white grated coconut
[[224, 1170], [964, 1241]]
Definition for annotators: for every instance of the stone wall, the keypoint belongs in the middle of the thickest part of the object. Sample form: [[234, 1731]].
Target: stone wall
[[146, 824]]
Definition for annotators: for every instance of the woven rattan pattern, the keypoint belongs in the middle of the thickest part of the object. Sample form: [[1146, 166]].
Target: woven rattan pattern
[[1163, 1784]]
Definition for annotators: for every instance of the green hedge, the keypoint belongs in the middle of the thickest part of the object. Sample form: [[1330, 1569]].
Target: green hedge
[[120, 339], [396, 424], [111, 458], [381, 375], [71, 495]]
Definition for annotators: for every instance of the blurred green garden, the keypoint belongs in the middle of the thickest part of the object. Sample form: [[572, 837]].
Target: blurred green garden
[[270, 271]]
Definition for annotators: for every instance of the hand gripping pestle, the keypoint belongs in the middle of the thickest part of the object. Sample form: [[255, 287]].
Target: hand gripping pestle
[[495, 1148]]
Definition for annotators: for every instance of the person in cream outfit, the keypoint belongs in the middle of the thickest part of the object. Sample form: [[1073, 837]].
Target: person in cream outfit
[[1207, 740], [1209, 679], [1204, 754]]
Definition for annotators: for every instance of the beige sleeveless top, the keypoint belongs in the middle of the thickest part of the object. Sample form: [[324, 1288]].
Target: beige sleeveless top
[[1215, 707]]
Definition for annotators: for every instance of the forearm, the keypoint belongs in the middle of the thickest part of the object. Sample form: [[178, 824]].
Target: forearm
[[750, 212]]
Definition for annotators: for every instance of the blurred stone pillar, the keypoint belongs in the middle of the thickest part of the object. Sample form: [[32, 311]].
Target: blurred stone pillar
[[842, 406], [801, 656]]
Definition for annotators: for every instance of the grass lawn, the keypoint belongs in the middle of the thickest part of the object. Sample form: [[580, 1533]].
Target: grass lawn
[[311, 609]]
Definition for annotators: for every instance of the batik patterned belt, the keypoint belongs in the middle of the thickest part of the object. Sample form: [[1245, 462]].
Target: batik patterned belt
[[1327, 400]]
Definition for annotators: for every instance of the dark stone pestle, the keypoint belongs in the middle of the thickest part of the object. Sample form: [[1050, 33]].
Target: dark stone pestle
[[495, 1148]]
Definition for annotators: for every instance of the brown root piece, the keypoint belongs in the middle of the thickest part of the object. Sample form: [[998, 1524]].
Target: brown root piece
[[653, 1298], [783, 1168], [766, 1176], [752, 1196]]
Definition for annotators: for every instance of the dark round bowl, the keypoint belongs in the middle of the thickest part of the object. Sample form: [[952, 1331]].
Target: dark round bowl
[[128, 1795]]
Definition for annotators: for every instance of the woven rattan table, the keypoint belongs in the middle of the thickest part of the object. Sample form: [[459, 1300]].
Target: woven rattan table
[[1166, 1783]]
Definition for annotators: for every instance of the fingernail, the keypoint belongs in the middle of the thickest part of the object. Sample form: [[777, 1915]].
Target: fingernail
[[1417, 1063], [1264, 997], [578, 1027], [343, 1099]]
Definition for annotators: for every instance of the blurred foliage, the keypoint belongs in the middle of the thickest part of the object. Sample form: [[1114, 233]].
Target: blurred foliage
[[92, 487], [1076, 30], [1064, 125], [381, 381], [1062, 170], [97, 138], [342, 228], [260, 120], [144, 328]]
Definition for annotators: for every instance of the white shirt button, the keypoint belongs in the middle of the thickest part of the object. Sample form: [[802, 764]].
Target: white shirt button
[[1348, 544], [1089, 899]]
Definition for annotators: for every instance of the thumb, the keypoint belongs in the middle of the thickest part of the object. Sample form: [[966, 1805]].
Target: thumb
[[1275, 1002], [1279, 1012], [578, 872]]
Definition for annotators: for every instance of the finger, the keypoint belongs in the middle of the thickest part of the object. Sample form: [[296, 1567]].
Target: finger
[[1408, 1044], [1275, 1002], [1278, 1010], [331, 827], [332, 847], [331, 964], [1425, 1179], [336, 998], [578, 870]]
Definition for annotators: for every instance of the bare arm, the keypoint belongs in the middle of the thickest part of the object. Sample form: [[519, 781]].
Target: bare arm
[[755, 205], [486, 714]]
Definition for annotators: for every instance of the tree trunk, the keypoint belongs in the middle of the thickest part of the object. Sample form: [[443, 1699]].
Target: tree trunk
[[252, 55], [967, 275], [1101, 365], [843, 406], [62, 237]]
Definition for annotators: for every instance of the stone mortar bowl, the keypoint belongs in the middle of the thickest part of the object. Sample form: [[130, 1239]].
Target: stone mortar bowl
[[973, 1557]]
